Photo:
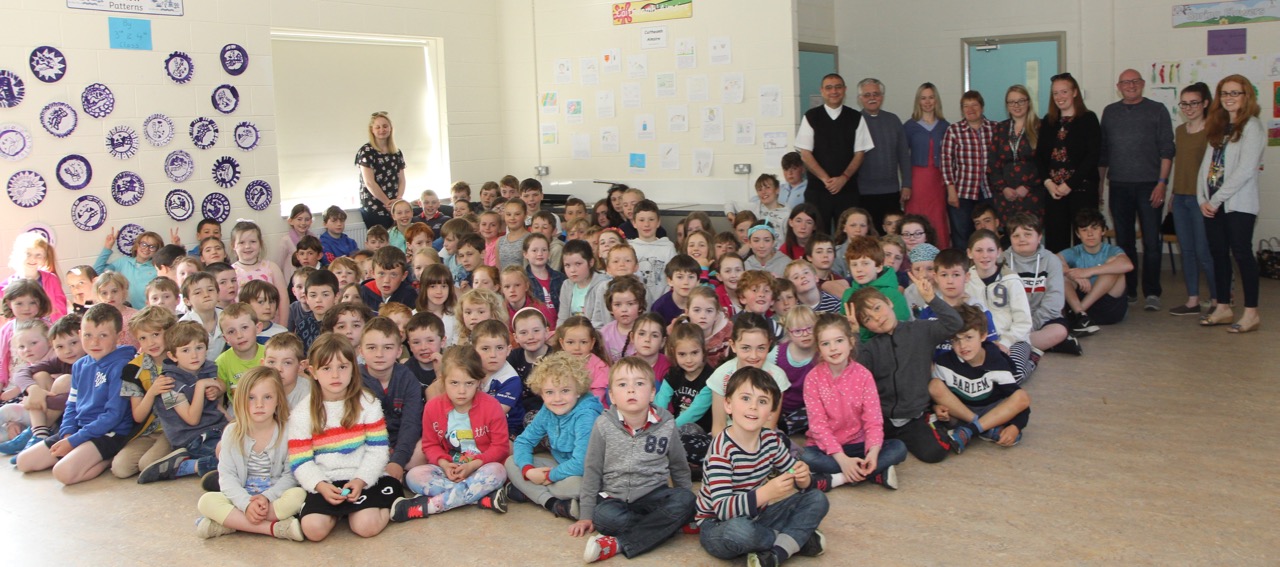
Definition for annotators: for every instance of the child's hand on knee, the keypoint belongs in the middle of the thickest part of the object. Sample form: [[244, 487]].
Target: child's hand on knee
[[61, 448], [331, 493], [1008, 435], [539, 475], [581, 528], [257, 509]]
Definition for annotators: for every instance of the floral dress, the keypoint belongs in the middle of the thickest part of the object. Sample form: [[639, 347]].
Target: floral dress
[[386, 173], [1011, 163]]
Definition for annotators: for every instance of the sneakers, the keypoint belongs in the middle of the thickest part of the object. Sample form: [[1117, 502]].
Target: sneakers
[[288, 528], [560, 508], [763, 559], [405, 509], [822, 482], [209, 529], [164, 469], [514, 494], [887, 479], [1070, 345], [1152, 303], [497, 501], [993, 435], [1184, 310], [816, 545], [209, 482], [1082, 325], [691, 528], [960, 438], [16, 445], [599, 548]]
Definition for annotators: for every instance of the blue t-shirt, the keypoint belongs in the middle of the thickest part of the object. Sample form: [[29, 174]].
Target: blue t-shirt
[[579, 300], [1078, 257]]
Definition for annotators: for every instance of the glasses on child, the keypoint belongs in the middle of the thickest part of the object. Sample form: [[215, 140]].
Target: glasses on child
[[801, 332], [917, 234]]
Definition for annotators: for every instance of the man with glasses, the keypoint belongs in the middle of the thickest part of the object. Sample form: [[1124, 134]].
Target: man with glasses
[[884, 180], [1136, 156], [833, 141]]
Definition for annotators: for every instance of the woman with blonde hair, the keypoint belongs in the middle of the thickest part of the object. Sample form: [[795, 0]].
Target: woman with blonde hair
[[1012, 173], [924, 132], [381, 172]]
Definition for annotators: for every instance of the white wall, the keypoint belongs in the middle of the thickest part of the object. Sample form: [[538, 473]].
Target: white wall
[[1104, 37], [471, 44]]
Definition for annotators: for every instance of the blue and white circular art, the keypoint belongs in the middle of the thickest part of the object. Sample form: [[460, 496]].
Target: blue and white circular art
[[216, 206], [246, 136], [226, 172], [179, 67], [127, 236], [122, 142], [127, 188], [158, 130], [59, 119], [178, 166], [88, 213], [258, 194], [27, 189], [204, 133], [12, 89], [97, 100], [15, 142], [74, 172], [225, 98], [44, 231], [48, 64], [234, 59], [179, 204]]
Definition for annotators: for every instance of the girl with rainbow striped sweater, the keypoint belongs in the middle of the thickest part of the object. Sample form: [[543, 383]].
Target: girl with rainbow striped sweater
[[338, 446]]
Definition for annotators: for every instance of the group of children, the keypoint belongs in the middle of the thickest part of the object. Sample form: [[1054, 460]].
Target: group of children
[[490, 358]]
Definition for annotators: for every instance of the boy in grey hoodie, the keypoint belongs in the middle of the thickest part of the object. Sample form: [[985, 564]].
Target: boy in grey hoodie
[[634, 451], [1041, 274]]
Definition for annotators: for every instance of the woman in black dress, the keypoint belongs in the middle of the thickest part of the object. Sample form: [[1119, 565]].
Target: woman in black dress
[[1067, 155], [381, 172]]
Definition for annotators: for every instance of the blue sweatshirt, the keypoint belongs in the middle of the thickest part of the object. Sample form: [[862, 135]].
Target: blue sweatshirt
[[335, 248], [95, 406], [138, 273], [402, 407], [567, 435], [372, 297]]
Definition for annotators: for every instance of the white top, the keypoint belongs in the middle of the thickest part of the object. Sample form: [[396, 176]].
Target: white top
[[861, 141]]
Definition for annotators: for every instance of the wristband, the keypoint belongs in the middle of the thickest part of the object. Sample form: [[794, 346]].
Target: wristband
[[1163, 181]]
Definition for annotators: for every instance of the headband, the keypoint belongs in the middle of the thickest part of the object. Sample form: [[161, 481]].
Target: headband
[[762, 226], [533, 309], [616, 231]]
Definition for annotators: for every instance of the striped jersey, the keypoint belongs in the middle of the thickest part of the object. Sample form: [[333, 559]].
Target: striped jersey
[[733, 474]]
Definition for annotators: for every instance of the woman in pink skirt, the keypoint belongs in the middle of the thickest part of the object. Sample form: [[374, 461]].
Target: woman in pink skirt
[[928, 194]]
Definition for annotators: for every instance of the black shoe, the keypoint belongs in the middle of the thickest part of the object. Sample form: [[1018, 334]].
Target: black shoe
[[164, 469], [405, 509], [496, 501], [822, 482], [762, 559], [815, 546], [209, 482], [1082, 325], [561, 508], [514, 494], [1070, 345]]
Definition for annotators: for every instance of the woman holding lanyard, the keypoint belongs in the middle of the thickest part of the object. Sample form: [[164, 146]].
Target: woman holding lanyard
[[1191, 141], [928, 195], [1012, 173], [1227, 189], [1070, 141], [381, 172]]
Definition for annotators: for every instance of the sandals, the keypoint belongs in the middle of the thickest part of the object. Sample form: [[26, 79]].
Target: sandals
[[1209, 320], [1238, 329]]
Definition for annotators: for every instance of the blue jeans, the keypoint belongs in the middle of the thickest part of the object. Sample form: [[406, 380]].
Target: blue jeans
[[787, 524], [1131, 202], [962, 222], [892, 452], [641, 525], [203, 449], [1188, 221]]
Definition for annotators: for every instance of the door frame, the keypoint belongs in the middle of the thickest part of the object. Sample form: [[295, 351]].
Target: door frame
[[1060, 37], [801, 101]]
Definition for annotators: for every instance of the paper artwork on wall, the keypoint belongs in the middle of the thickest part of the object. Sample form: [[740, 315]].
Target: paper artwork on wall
[[550, 134], [550, 102], [226, 172], [770, 100], [59, 119], [589, 71], [127, 236], [744, 131], [630, 95], [122, 142], [609, 140], [604, 104], [581, 146], [216, 206], [731, 88], [27, 189], [48, 64], [158, 130], [257, 194], [179, 67], [246, 136], [665, 85], [573, 111], [669, 156], [712, 120], [178, 166], [611, 60], [74, 172], [678, 118], [225, 98], [702, 162], [203, 132], [234, 59], [97, 100], [698, 88], [686, 53], [88, 213], [127, 188], [645, 127], [563, 71], [721, 50], [15, 141], [638, 66], [179, 204]]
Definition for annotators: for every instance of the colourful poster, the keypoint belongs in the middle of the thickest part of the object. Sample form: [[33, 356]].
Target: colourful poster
[[1275, 99], [1225, 13], [640, 12]]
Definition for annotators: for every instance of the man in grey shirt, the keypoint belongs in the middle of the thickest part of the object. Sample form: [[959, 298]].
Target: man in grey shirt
[[884, 179], [1135, 159]]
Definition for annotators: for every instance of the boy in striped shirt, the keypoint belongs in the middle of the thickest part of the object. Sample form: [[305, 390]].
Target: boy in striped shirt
[[740, 510]]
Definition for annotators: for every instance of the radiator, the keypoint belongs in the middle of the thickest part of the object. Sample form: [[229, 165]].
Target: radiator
[[356, 231]]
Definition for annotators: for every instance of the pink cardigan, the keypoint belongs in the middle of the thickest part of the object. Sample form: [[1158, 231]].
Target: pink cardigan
[[843, 410]]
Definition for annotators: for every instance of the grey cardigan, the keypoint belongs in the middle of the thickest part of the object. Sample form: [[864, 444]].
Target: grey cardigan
[[233, 468], [593, 307], [1239, 191]]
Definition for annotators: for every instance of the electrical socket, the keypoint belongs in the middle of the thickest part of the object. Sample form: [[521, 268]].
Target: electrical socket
[[741, 168], [541, 171]]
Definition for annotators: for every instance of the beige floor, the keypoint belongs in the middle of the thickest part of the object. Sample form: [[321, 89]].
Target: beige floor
[[1159, 446]]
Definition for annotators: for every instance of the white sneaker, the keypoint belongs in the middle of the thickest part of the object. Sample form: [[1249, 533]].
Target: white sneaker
[[209, 529]]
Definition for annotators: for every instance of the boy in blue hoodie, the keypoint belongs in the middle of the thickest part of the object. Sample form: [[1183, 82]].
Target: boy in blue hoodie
[[96, 422], [389, 281], [396, 388], [570, 411], [334, 241]]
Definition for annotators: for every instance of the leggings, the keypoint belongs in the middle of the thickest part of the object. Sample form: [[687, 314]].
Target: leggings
[[216, 506], [445, 494], [1231, 234]]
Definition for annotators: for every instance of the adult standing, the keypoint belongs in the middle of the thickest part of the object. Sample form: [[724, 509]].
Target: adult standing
[[1227, 189], [1067, 155], [1012, 174], [381, 172], [1137, 154], [927, 195], [833, 141], [885, 175], [1191, 141], [964, 166]]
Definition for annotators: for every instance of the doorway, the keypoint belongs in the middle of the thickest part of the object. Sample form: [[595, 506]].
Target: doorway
[[816, 61], [993, 64]]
